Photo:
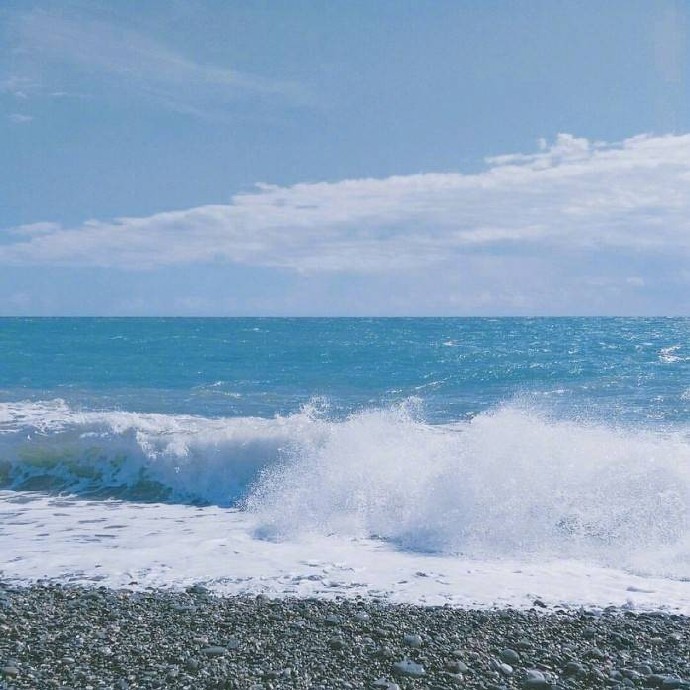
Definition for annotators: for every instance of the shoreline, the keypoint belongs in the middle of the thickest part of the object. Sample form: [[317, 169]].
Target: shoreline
[[63, 636]]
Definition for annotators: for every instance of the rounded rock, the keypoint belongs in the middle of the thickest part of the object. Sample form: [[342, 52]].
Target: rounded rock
[[413, 640], [535, 680], [406, 667], [509, 656]]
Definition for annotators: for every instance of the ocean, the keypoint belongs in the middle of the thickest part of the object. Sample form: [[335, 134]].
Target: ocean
[[463, 461]]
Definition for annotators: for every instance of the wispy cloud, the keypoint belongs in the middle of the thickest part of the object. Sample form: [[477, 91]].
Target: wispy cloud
[[572, 198], [19, 118], [18, 87], [129, 60]]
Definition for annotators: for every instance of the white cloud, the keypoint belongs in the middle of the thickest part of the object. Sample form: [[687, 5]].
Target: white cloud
[[18, 87], [572, 199], [19, 118], [36, 229], [120, 57]]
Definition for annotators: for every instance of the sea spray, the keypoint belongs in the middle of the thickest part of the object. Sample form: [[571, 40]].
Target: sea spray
[[510, 483], [513, 482]]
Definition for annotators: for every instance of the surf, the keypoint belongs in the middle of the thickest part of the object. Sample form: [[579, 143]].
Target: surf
[[513, 482]]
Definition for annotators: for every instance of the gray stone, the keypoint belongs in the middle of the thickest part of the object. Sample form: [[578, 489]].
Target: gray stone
[[631, 674], [503, 669], [509, 656], [654, 680], [595, 653], [574, 668], [385, 652], [383, 683], [535, 680], [406, 667], [413, 640], [183, 608], [457, 666], [673, 682]]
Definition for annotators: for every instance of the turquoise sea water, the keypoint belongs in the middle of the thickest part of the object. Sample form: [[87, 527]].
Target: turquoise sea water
[[538, 450], [618, 370], [459, 436]]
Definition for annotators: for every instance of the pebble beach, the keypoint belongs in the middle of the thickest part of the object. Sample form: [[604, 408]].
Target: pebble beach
[[340, 503], [61, 636]]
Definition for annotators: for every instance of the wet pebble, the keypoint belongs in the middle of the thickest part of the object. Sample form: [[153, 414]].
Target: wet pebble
[[59, 636]]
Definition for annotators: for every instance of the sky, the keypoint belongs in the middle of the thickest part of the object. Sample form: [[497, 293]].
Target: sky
[[304, 158]]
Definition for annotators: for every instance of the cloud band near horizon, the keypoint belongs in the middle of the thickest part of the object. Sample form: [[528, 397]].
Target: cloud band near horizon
[[573, 196]]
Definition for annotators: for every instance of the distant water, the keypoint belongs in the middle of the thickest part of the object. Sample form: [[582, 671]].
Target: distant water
[[464, 438]]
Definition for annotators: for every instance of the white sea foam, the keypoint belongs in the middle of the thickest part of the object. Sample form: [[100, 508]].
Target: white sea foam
[[668, 355], [511, 484], [183, 458], [127, 544]]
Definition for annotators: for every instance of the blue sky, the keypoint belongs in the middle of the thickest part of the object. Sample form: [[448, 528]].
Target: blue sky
[[344, 158]]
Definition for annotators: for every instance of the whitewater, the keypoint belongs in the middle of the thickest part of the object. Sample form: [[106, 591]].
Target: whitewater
[[480, 462]]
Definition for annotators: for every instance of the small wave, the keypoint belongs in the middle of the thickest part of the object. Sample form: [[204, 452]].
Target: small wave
[[668, 355]]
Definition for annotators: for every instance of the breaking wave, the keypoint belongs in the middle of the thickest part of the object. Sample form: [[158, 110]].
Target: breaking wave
[[509, 483], [51, 447]]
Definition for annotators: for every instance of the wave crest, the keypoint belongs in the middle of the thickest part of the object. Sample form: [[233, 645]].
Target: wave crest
[[508, 483], [48, 446]]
